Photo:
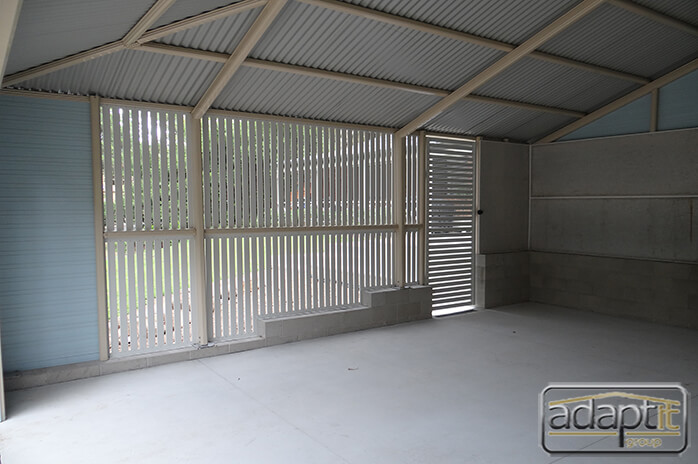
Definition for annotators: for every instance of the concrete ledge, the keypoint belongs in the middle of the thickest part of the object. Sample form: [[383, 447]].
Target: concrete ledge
[[380, 307]]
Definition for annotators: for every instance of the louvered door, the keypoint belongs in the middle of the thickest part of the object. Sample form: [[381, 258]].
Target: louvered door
[[450, 223]]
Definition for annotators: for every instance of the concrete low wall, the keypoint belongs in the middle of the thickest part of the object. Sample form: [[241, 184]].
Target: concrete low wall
[[656, 291], [380, 307]]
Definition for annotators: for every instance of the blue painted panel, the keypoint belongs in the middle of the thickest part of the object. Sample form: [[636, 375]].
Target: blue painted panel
[[633, 118], [48, 297], [678, 103]]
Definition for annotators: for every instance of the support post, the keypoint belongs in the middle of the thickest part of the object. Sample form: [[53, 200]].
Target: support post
[[98, 210], [422, 259], [654, 115], [399, 208], [196, 216]]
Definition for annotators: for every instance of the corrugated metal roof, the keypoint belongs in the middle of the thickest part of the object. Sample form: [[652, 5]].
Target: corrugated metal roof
[[133, 75], [270, 92], [496, 121], [532, 80], [222, 35], [616, 38], [340, 42], [48, 30], [511, 21], [181, 9], [685, 10]]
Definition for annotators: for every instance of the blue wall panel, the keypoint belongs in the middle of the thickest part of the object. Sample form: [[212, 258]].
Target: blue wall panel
[[633, 118], [48, 297], [678, 103]]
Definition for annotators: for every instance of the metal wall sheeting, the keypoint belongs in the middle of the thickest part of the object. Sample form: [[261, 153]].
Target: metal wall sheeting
[[222, 35], [133, 75], [47, 244], [271, 92], [49, 30], [351, 44], [619, 39]]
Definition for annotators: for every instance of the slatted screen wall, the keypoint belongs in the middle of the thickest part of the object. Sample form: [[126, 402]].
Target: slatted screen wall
[[148, 274], [297, 218], [450, 222]]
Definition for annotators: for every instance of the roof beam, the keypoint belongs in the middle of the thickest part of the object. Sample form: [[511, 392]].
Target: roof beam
[[260, 26], [118, 45], [9, 14], [622, 101], [351, 78], [200, 19], [557, 26], [656, 16], [148, 19], [63, 63], [400, 21]]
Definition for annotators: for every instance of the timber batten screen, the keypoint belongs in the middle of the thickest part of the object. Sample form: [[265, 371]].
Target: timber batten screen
[[450, 222], [298, 217], [146, 215]]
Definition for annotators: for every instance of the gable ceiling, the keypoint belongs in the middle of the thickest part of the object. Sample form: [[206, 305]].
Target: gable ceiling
[[410, 67]]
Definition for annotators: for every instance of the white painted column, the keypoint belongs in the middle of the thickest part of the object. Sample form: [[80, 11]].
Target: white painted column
[[399, 209], [98, 211], [422, 261], [196, 217]]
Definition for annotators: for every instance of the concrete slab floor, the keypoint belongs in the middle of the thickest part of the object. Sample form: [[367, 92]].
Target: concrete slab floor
[[462, 389]]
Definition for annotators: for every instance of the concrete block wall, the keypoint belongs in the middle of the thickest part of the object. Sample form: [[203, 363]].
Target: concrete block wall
[[614, 225], [502, 263], [502, 279], [656, 291]]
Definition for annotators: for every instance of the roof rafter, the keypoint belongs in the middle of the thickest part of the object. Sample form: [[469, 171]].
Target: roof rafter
[[465, 37], [351, 78], [554, 28], [118, 45], [148, 19], [655, 16], [200, 19], [259, 27], [622, 101]]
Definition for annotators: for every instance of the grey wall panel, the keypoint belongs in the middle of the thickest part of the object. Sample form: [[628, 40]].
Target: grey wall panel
[[659, 163], [48, 296], [503, 197], [659, 228], [666, 293]]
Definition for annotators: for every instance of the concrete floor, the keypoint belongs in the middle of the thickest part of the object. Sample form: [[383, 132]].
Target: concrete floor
[[462, 389]]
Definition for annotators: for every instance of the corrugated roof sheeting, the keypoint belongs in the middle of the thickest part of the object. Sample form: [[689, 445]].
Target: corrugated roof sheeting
[[271, 92], [351, 44], [133, 75], [535, 81], [49, 30], [181, 9], [685, 10], [222, 35], [497, 121], [617, 38], [511, 21]]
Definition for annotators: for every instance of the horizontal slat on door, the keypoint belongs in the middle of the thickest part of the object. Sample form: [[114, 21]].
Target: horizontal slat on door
[[450, 204]]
